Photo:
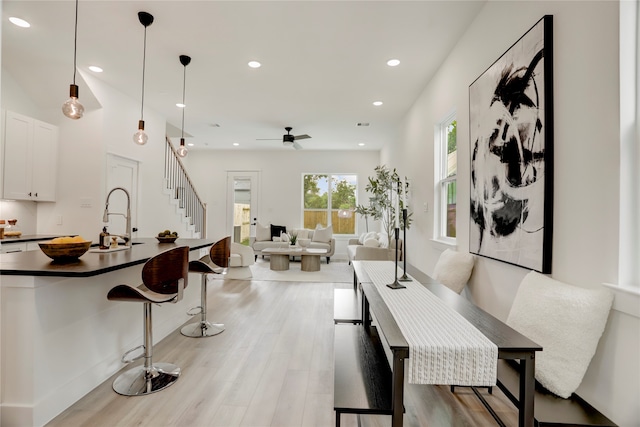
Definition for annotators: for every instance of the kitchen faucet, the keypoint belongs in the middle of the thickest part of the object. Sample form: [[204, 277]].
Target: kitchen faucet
[[105, 218]]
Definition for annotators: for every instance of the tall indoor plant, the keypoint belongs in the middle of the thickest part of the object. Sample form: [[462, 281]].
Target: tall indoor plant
[[381, 205]]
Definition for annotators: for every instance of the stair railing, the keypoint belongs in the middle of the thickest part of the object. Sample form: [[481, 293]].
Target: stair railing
[[178, 182]]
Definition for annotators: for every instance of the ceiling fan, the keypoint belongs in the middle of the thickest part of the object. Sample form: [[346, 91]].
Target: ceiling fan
[[289, 140]]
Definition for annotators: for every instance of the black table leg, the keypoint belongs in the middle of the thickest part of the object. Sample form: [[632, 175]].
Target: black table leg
[[527, 391], [366, 316], [397, 394]]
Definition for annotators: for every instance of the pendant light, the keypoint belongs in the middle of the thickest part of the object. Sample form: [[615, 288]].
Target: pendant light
[[184, 60], [141, 137], [72, 108]]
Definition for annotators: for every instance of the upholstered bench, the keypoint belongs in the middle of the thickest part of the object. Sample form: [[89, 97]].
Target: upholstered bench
[[567, 321]]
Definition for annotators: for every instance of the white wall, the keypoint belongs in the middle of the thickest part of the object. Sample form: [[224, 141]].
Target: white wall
[[586, 150], [280, 192], [82, 148], [13, 96]]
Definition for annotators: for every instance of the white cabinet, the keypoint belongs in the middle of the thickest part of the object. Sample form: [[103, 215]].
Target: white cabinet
[[30, 159]]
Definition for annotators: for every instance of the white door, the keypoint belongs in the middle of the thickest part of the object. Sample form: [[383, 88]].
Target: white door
[[121, 172], [242, 204]]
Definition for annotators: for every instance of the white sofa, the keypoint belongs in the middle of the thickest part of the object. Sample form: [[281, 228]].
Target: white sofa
[[320, 238], [373, 247]]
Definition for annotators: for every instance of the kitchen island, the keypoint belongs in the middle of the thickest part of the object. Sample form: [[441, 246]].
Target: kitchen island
[[61, 337]]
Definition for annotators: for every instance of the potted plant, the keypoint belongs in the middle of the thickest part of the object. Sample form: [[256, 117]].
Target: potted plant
[[381, 204], [293, 238]]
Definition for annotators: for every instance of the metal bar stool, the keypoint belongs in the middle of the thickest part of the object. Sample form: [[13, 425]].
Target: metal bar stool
[[164, 278], [216, 262]]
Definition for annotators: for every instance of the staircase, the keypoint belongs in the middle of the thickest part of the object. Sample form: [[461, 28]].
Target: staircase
[[183, 194]]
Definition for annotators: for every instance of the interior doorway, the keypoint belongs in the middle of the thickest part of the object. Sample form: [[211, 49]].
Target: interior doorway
[[121, 172], [242, 204]]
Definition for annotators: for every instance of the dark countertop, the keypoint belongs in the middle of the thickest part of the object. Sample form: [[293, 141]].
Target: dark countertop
[[36, 263], [29, 238]]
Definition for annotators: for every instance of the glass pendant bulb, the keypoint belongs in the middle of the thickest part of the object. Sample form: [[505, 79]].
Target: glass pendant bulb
[[72, 108], [140, 137], [182, 150]]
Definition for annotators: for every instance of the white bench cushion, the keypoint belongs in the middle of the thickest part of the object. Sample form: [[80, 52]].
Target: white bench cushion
[[567, 321]]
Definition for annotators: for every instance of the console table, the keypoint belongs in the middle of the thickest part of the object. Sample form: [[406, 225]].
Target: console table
[[511, 344]]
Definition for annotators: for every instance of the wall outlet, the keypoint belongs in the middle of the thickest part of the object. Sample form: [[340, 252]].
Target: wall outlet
[[59, 220], [425, 207]]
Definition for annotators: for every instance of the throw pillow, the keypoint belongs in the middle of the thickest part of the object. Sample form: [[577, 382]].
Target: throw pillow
[[369, 235], [372, 243], [303, 233], [567, 321], [323, 235], [453, 269], [263, 233], [277, 230], [383, 239], [284, 237]]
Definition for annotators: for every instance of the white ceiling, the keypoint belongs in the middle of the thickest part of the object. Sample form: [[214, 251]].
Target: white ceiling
[[323, 62]]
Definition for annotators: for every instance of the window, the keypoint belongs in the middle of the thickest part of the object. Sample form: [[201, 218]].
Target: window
[[629, 269], [445, 178], [330, 200]]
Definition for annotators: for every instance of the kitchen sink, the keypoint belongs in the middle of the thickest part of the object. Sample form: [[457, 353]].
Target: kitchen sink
[[120, 244]]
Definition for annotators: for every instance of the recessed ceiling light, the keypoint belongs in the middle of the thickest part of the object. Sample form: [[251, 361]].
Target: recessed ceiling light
[[361, 144], [393, 62], [254, 64], [95, 69], [235, 144], [377, 103], [19, 22], [180, 105], [190, 144]]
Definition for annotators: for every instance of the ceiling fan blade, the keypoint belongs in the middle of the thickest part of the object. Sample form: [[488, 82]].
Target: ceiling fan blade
[[297, 146], [305, 136]]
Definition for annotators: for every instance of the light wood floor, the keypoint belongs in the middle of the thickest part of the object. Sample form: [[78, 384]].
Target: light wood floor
[[272, 366]]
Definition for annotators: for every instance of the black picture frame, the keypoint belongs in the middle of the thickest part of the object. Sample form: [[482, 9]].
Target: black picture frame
[[511, 137]]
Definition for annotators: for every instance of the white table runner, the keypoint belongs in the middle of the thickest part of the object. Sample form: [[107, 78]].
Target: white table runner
[[444, 348]]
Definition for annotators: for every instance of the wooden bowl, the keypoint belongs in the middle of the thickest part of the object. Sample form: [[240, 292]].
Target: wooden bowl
[[166, 239], [64, 251]]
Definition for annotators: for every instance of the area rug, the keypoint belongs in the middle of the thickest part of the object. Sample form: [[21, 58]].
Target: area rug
[[334, 272]]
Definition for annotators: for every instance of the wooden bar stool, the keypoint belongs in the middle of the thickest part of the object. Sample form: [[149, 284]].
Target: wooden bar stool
[[164, 278], [216, 262]]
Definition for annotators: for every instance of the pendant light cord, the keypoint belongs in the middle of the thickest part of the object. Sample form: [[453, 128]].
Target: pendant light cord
[[144, 61], [75, 45], [184, 84]]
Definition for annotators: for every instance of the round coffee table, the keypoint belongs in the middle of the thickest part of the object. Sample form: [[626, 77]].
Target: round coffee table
[[309, 258]]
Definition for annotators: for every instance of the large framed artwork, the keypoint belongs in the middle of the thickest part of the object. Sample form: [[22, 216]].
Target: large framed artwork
[[511, 134]]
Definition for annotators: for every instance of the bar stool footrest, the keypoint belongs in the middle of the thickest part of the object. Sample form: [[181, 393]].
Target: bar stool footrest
[[125, 359], [194, 311]]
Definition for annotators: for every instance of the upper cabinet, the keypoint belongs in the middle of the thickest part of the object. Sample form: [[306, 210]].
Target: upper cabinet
[[30, 159]]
